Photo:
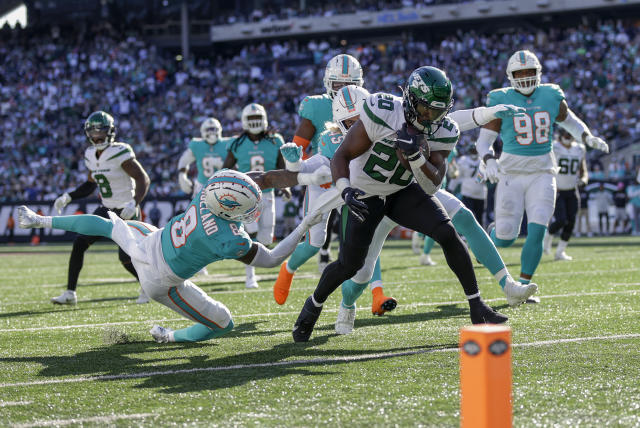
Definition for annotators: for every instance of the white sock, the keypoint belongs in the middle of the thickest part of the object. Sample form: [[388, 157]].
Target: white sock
[[289, 269], [47, 220], [375, 284], [562, 245], [317, 305], [324, 252], [250, 271]]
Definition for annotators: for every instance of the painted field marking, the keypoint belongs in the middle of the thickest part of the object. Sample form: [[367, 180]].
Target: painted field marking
[[372, 356], [99, 419], [268, 314], [15, 403]]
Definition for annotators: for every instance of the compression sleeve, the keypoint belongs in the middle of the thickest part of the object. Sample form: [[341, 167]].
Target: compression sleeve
[[574, 126], [484, 145], [84, 190], [186, 159]]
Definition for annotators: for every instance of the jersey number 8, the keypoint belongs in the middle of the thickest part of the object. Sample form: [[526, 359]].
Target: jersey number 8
[[182, 228], [526, 131]]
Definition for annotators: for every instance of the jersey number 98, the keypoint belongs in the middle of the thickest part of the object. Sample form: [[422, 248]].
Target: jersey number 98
[[527, 132]]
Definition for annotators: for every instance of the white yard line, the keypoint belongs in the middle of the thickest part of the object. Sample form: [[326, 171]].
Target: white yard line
[[15, 403], [313, 361], [270, 314], [98, 419]]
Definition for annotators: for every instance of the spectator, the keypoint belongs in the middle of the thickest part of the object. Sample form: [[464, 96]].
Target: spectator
[[603, 200], [11, 224], [620, 200], [633, 192]]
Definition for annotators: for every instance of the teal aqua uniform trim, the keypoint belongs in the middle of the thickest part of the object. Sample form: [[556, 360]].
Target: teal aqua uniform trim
[[200, 332], [209, 157], [88, 224], [532, 248], [317, 109]]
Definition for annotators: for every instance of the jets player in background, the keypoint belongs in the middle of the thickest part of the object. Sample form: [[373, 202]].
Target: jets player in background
[[209, 230], [525, 172], [473, 189], [315, 112], [373, 183], [122, 183], [572, 172], [257, 149], [208, 152]]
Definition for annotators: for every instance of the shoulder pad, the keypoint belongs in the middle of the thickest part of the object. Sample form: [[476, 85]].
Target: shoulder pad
[[446, 137], [307, 105], [496, 96]]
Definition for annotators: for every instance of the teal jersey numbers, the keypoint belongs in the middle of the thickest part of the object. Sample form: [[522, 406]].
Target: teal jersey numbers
[[529, 135], [261, 155], [317, 109], [209, 157], [195, 238], [329, 143]]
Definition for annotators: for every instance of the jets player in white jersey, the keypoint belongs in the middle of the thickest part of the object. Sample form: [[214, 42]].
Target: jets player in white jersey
[[572, 172], [373, 183], [473, 190], [525, 172], [122, 183]]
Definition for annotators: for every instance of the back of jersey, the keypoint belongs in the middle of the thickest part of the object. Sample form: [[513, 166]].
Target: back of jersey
[[569, 160], [195, 238]]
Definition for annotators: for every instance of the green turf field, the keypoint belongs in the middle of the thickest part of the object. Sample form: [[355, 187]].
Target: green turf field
[[576, 356]]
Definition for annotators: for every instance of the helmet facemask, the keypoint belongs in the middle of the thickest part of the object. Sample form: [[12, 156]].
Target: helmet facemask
[[211, 130], [254, 119], [426, 117], [527, 84], [100, 135]]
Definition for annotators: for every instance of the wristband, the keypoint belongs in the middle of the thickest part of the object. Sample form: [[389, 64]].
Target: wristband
[[342, 183]]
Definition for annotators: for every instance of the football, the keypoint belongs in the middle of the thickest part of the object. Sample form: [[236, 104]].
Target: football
[[424, 148]]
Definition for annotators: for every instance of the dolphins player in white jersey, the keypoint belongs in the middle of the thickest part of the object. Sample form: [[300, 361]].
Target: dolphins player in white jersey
[[572, 172], [525, 172]]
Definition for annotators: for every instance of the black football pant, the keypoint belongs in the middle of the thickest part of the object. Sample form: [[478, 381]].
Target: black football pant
[[82, 244], [410, 207], [476, 206], [567, 203]]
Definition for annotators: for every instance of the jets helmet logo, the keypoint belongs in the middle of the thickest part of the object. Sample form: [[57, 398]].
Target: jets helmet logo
[[419, 84]]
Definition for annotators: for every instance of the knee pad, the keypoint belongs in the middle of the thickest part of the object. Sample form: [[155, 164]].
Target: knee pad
[[507, 230]]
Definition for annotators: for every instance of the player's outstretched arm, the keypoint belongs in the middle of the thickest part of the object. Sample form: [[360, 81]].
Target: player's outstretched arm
[[484, 146], [280, 178], [578, 129], [261, 256], [84, 190], [480, 116]]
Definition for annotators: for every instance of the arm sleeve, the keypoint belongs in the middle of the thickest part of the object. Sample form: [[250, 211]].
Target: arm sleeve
[[574, 126], [271, 258], [84, 190], [313, 163], [484, 145], [186, 159]]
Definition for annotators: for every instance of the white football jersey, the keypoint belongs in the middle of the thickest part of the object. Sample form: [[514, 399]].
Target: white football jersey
[[471, 187], [378, 171], [569, 161], [115, 185]]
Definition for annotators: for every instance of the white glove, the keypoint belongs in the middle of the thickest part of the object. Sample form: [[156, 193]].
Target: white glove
[[320, 176], [484, 115], [61, 202], [185, 184], [597, 143], [129, 210], [292, 155], [491, 171]]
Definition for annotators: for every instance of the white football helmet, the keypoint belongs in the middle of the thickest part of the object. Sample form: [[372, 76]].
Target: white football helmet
[[211, 130], [342, 68], [233, 196], [347, 104], [524, 60], [254, 126]]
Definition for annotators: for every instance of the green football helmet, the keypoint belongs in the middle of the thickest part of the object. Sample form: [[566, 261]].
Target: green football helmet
[[100, 129], [427, 98]]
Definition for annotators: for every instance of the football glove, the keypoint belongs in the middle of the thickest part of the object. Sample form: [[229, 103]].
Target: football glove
[[409, 144], [292, 154], [358, 208], [185, 184], [507, 111], [491, 171], [61, 202], [320, 176], [597, 143], [129, 210]]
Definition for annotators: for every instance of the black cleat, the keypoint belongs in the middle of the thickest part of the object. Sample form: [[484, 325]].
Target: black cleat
[[483, 314], [303, 327], [533, 300]]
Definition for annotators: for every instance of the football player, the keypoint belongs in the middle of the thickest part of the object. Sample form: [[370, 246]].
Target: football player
[[208, 152], [572, 172], [122, 183], [525, 172], [257, 149], [473, 189], [210, 229], [315, 112], [373, 183]]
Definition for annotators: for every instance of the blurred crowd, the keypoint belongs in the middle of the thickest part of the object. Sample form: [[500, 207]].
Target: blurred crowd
[[50, 83]]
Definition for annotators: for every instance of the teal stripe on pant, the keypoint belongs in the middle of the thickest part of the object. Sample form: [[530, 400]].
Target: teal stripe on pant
[[140, 226], [85, 224], [195, 315]]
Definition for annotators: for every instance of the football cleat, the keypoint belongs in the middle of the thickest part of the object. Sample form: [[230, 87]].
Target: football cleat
[[283, 284], [547, 243], [161, 334], [307, 319], [416, 243], [346, 319], [483, 314], [518, 293], [27, 219], [251, 283], [382, 304], [425, 260], [142, 297], [563, 256], [533, 300], [68, 297]]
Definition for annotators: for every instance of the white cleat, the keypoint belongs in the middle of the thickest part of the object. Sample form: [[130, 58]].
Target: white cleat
[[142, 297], [518, 293], [251, 283], [68, 297], [563, 256], [345, 321], [416, 243], [547, 243], [27, 219], [425, 260], [161, 334]]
